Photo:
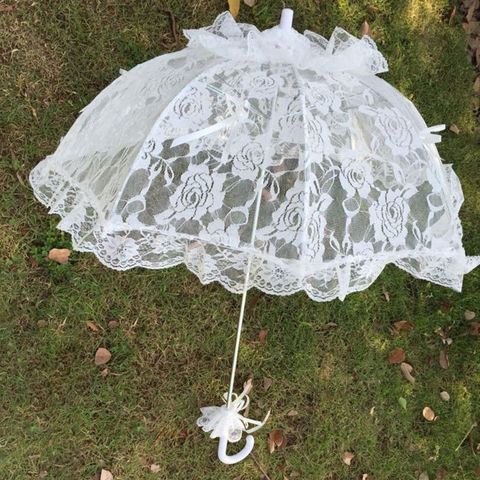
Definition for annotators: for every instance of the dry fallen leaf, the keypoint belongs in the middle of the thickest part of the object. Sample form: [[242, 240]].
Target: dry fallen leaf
[[113, 324], [154, 468], [365, 476], [423, 476], [445, 396], [397, 355], [441, 474], [250, 3], [347, 458], [106, 475], [104, 372], [102, 356], [403, 326], [386, 294], [92, 326], [267, 383], [476, 85], [454, 129], [366, 30], [262, 336], [443, 359], [472, 28], [292, 413], [234, 7], [471, 11], [407, 369], [428, 414], [59, 255], [475, 329], [469, 315], [270, 444], [248, 385], [278, 438]]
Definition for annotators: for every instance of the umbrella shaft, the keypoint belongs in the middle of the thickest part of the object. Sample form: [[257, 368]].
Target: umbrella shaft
[[239, 332], [245, 290]]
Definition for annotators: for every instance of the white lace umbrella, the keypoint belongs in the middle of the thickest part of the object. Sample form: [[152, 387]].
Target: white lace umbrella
[[259, 159]]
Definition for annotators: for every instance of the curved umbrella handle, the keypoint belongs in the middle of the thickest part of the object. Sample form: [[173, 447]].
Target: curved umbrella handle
[[237, 457]]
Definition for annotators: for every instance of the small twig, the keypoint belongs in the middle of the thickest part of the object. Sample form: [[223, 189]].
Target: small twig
[[173, 23], [260, 467], [465, 437], [132, 327]]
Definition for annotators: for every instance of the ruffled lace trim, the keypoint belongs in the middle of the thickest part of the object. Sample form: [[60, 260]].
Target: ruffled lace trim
[[341, 53], [122, 250]]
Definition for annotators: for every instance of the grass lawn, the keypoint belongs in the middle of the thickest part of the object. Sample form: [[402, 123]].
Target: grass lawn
[[61, 419]]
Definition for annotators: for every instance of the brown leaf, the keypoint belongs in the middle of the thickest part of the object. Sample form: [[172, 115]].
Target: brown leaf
[[475, 329], [445, 396], [267, 383], [292, 413], [102, 356], [428, 414], [234, 7], [59, 255], [403, 326], [445, 306], [250, 3], [469, 315], [262, 336], [347, 458], [386, 294], [113, 324], [397, 355], [270, 444], [106, 475], [366, 30], [104, 373], [453, 128], [443, 359], [476, 85], [423, 476], [92, 326], [441, 474], [154, 468], [471, 11], [472, 28], [407, 369], [248, 385], [278, 438], [331, 325]]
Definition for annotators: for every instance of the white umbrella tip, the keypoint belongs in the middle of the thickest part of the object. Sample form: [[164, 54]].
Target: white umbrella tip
[[286, 20]]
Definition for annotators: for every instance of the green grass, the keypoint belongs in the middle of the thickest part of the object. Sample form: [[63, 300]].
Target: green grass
[[60, 419]]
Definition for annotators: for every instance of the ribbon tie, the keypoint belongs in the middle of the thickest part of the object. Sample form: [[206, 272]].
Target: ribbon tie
[[239, 113]]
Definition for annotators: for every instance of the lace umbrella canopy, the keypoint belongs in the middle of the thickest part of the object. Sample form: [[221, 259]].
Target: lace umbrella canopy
[[269, 159]]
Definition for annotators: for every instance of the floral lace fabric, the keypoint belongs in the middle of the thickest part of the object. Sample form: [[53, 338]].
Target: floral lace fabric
[[272, 148]]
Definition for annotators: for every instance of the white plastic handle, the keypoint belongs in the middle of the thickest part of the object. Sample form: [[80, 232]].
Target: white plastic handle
[[237, 457]]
